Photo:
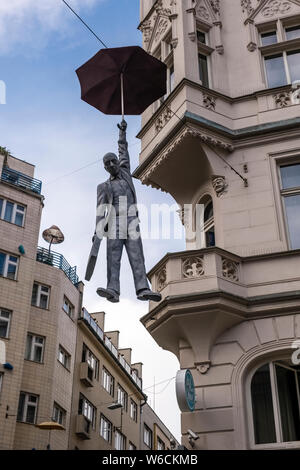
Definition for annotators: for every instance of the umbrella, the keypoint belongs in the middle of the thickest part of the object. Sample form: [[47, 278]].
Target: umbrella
[[53, 235], [122, 80]]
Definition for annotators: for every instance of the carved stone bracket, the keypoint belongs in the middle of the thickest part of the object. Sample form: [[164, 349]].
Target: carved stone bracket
[[187, 132], [161, 278], [203, 367], [219, 184], [230, 269], [193, 267]]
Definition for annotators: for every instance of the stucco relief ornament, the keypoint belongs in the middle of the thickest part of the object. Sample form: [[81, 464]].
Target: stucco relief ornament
[[275, 7], [215, 6], [193, 267], [247, 7], [146, 30], [161, 278], [209, 102], [282, 99], [230, 269], [161, 28], [160, 10], [219, 184], [202, 12]]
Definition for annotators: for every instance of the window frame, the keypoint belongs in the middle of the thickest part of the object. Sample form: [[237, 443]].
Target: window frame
[[287, 192], [67, 355], [109, 430], [15, 211], [89, 357], [147, 429], [39, 294], [122, 397], [1, 381], [122, 439], [133, 410], [7, 320], [8, 262], [107, 375], [70, 313], [33, 346], [26, 404], [61, 411], [249, 407], [86, 405]]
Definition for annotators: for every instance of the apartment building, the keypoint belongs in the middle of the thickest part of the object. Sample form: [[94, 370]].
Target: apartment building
[[154, 434], [225, 138]]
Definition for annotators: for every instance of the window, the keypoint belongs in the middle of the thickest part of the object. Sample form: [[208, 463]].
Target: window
[[275, 398], [133, 410], [201, 37], [87, 409], [34, 348], [59, 414], [147, 436], [131, 446], [160, 444], [105, 429], [40, 296], [1, 381], [12, 212], [5, 318], [88, 356], [292, 33], [290, 191], [122, 397], [64, 357], [108, 382], [68, 307], [120, 441], [8, 265], [27, 409], [205, 223], [268, 38], [203, 69]]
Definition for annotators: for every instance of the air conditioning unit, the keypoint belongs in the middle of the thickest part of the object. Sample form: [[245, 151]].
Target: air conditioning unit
[[83, 427], [86, 374]]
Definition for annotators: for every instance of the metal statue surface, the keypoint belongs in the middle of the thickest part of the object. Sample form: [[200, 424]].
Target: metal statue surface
[[117, 219]]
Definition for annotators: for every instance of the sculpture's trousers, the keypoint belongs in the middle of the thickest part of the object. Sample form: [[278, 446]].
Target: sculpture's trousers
[[134, 248]]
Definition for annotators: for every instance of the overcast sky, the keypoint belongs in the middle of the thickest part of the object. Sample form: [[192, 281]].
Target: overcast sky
[[45, 123]]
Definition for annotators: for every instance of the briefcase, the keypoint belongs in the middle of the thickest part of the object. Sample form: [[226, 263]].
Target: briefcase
[[92, 258]]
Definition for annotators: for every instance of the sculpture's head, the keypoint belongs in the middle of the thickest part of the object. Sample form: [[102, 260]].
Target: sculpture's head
[[111, 164]]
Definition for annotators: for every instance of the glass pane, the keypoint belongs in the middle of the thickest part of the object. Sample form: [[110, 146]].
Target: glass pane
[[28, 347], [276, 75], [1, 206], [289, 404], [19, 219], [2, 263], [44, 301], [290, 176], [294, 65], [8, 211], [172, 78], [11, 271], [34, 294], [292, 33], [268, 38], [209, 211], [201, 37], [292, 206], [3, 328], [203, 70], [210, 237], [38, 354], [262, 406], [21, 407], [30, 416]]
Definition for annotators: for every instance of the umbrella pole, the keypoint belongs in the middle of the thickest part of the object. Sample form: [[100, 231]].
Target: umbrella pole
[[122, 96]]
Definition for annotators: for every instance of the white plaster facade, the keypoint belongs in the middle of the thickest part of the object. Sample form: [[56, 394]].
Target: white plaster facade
[[230, 308]]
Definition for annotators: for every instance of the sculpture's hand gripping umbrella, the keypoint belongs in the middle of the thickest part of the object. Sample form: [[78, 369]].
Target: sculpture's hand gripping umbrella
[[122, 80]]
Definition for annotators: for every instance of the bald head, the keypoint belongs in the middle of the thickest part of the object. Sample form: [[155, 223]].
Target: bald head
[[111, 163]]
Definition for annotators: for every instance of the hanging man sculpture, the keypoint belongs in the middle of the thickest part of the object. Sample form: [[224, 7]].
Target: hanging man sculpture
[[117, 219]]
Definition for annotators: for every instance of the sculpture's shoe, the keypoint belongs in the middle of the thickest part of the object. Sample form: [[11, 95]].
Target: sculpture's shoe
[[147, 294], [110, 295]]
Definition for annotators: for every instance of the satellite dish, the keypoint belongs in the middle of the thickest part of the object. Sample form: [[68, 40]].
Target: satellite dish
[[53, 235]]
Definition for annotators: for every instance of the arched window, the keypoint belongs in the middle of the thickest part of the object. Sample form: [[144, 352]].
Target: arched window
[[205, 223], [275, 398]]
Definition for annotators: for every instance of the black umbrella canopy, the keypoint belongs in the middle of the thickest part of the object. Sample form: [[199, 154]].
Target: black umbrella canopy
[[144, 80]]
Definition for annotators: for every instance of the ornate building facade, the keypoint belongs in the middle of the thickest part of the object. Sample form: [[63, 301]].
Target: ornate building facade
[[226, 136]]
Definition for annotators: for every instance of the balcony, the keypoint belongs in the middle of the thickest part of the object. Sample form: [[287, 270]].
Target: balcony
[[205, 292], [100, 335], [22, 181], [57, 261]]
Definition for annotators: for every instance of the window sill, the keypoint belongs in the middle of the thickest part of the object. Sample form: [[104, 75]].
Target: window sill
[[280, 46], [40, 308], [205, 49], [12, 223], [25, 422], [9, 278], [70, 316], [35, 362]]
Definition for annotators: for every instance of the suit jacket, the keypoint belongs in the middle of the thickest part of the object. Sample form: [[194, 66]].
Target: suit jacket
[[104, 190]]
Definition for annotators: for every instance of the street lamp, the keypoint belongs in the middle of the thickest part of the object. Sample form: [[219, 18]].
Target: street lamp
[[115, 406]]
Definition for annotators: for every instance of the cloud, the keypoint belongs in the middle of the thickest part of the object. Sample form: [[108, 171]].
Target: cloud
[[23, 21]]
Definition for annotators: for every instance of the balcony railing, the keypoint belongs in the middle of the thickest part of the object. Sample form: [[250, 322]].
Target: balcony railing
[[57, 261], [99, 333], [22, 181]]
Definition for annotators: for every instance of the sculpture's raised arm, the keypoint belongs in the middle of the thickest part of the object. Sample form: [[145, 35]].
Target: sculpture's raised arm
[[123, 146]]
